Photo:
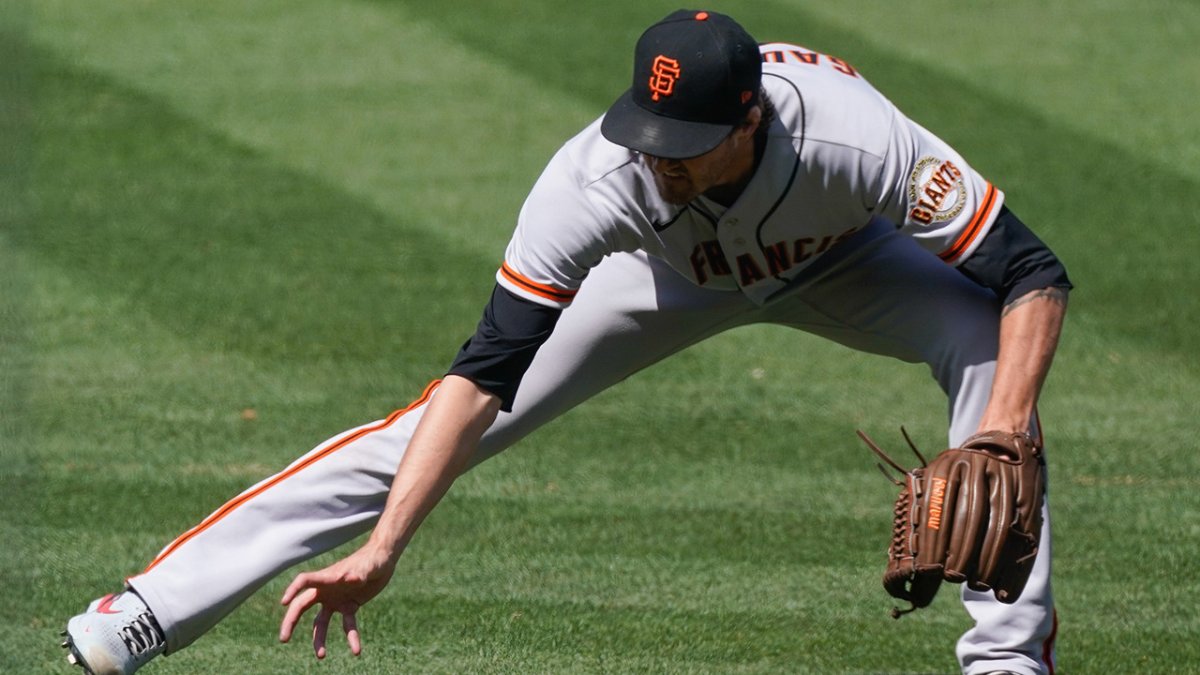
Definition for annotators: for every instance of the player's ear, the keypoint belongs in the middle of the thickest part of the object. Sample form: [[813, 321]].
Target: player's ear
[[754, 115], [750, 125]]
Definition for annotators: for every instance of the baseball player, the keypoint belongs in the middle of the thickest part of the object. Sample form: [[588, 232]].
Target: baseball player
[[733, 183]]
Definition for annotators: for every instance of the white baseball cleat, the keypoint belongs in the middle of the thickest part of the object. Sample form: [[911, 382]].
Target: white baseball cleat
[[115, 636]]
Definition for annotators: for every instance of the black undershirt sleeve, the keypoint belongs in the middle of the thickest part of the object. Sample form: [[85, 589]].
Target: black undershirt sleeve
[[1012, 261], [509, 334]]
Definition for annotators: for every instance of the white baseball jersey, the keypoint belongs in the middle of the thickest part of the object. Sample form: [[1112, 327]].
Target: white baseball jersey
[[838, 154]]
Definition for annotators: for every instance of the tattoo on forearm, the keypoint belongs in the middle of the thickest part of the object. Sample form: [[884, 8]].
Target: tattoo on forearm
[[1053, 294]]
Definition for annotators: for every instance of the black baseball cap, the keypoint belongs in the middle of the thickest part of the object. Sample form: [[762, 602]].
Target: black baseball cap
[[695, 76]]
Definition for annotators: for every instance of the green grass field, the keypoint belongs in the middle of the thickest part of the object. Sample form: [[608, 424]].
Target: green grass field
[[297, 208]]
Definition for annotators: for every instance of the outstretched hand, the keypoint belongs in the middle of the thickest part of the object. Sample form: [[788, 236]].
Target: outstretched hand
[[341, 588]]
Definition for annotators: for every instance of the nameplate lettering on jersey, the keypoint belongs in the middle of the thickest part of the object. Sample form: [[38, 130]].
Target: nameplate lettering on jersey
[[708, 258], [794, 54], [936, 190]]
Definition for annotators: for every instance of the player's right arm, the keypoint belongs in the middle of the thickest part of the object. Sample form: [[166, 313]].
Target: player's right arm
[[557, 240], [438, 453], [560, 236], [483, 380]]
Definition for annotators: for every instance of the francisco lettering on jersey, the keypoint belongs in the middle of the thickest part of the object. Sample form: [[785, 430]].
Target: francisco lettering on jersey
[[936, 191], [709, 258]]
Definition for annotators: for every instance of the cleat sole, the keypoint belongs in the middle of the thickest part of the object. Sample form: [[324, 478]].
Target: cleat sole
[[73, 656]]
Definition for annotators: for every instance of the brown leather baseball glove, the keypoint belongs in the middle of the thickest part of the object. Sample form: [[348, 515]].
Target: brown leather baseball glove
[[973, 514]]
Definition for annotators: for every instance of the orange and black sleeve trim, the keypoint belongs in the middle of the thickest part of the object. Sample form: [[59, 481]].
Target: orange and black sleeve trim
[[558, 295], [968, 235]]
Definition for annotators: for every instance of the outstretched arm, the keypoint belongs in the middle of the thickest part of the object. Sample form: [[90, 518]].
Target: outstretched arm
[[439, 451], [1029, 330]]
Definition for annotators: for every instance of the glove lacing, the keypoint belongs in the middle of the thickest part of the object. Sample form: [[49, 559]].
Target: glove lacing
[[900, 514]]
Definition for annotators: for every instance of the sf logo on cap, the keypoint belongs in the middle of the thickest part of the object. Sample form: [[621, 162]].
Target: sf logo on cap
[[663, 74]]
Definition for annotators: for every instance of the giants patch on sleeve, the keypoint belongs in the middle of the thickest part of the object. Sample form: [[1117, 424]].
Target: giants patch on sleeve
[[936, 191]]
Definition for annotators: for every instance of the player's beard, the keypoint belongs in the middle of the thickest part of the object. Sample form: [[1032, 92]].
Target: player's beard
[[681, 181], [678, 190]]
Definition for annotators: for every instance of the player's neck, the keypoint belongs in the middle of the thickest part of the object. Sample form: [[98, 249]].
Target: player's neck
[[741, 170], [726, 195]]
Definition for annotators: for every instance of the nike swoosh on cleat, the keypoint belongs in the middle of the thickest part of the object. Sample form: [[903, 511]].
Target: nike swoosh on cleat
[[105, 606]]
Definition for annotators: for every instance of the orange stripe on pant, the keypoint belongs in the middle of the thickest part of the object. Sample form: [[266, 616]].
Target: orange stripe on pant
[[241, 499], [1048, 646]]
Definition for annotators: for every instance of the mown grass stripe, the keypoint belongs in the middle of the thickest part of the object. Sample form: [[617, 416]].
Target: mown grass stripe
[[1059, 180], [164, 227]]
